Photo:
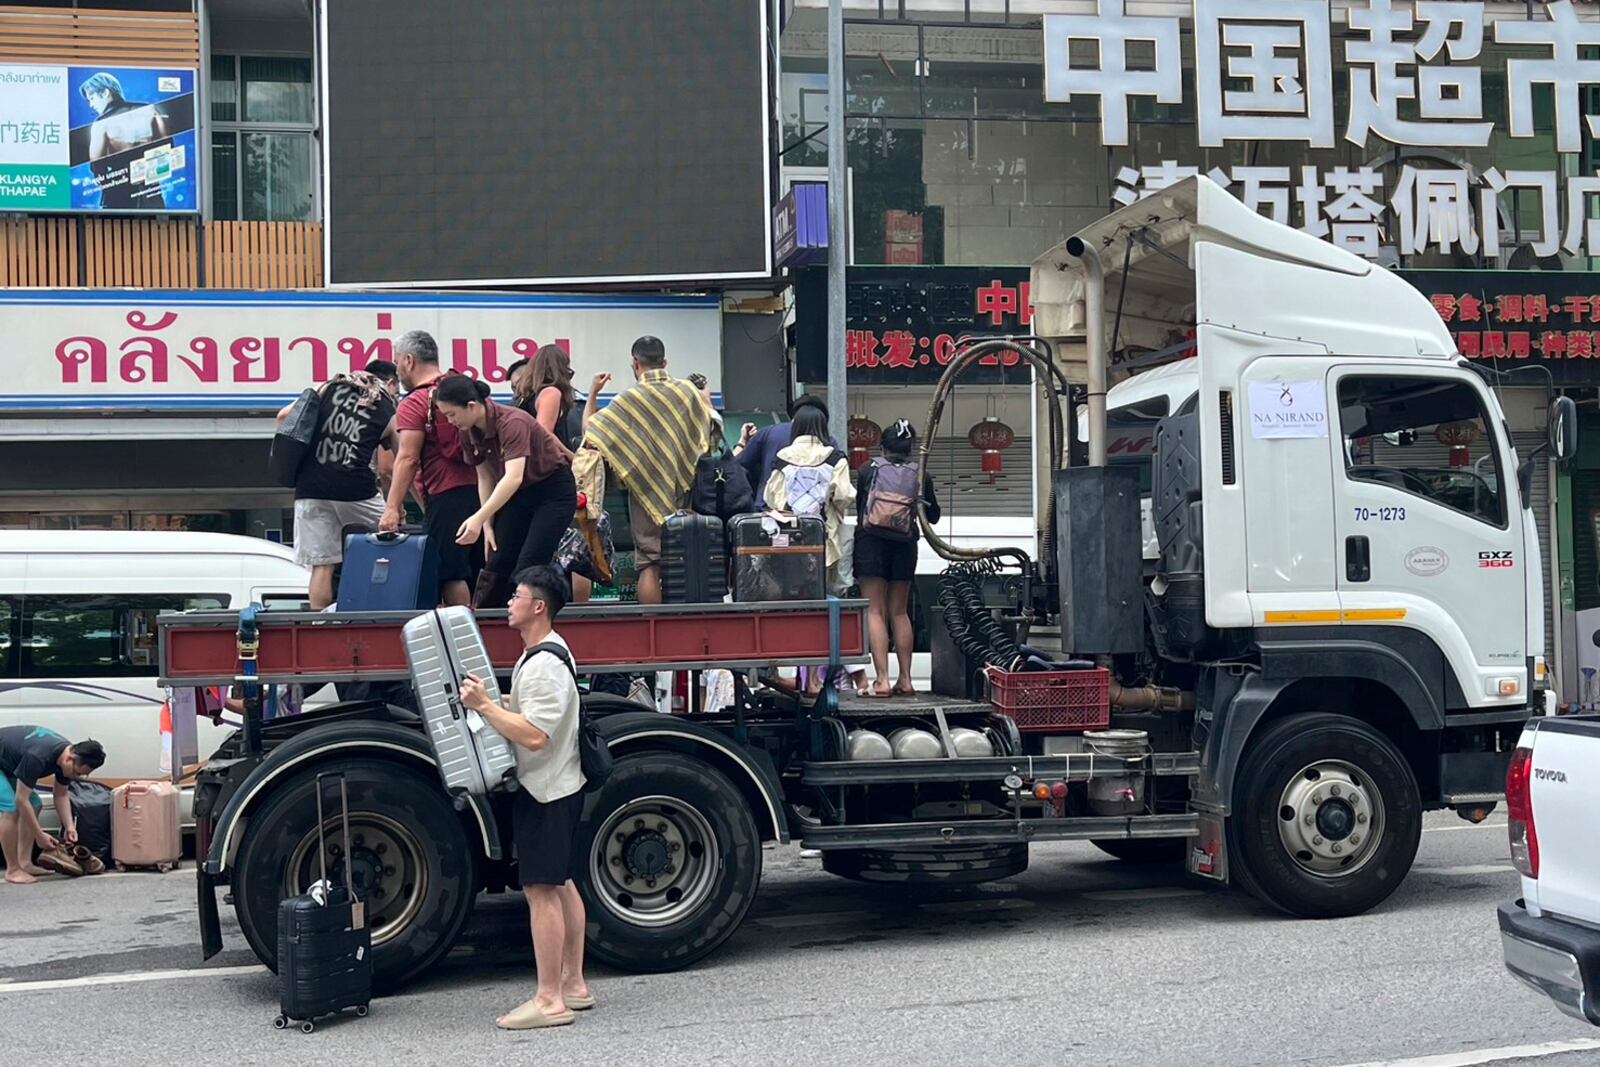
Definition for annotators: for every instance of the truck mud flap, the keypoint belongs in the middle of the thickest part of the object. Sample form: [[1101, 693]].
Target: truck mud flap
[[210, 923]]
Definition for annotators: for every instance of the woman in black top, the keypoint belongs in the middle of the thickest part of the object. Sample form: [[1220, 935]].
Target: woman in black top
[[886, 564]]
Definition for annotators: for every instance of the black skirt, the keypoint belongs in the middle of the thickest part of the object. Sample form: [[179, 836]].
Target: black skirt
[[546, 837], [879, 557]]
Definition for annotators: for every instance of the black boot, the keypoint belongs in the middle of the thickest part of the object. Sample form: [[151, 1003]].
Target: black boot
[[492, 591]]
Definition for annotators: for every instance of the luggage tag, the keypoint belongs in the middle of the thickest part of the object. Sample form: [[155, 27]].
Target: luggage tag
[[475, 721], [380, 571]]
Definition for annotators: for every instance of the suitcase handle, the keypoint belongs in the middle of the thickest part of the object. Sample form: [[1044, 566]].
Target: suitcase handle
[[322, 839]]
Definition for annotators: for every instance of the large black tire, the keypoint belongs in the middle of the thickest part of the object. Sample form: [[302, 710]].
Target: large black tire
[[1145, 851], [1295, 774], [682, 914], [425, 901], [956, 865]]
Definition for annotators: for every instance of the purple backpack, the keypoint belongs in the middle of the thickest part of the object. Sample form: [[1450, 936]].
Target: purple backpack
[[891, 510]]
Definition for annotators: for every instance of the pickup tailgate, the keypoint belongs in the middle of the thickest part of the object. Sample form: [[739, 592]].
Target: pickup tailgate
[[1565, 791]]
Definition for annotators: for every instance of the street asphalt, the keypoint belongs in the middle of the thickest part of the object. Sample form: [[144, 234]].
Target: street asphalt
[[1082, 960]]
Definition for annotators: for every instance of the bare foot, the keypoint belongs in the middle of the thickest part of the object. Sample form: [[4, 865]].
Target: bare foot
[[578, 992], [20, 878], [904, 688], [880, 688], [35, 869]]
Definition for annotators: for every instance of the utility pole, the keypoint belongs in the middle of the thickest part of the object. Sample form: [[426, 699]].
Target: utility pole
[[838, 225]]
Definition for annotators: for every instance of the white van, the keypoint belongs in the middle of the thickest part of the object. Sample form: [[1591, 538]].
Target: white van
[[78, 636]]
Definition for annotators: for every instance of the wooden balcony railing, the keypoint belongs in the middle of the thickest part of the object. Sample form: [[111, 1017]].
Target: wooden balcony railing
[[50, 252], [92, 37]]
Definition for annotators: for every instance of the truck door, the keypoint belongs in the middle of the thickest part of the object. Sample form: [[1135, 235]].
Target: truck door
[[1425, 531]]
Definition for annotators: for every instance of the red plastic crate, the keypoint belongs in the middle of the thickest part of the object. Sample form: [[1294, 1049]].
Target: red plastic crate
[[1045, 701]]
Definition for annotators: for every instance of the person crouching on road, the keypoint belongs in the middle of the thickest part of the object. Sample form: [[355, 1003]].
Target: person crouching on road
[[542, 722], [27, 754]]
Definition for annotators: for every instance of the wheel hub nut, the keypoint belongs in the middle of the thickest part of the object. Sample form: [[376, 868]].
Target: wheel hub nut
[[1334, 790], [1355, 839], [1337, 849], [1317, 840]]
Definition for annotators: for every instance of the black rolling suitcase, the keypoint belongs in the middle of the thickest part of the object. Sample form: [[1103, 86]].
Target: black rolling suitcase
[[324, 944], [694, 559]]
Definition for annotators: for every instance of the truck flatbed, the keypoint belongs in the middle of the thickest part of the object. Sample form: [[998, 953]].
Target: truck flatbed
[[201, 648]]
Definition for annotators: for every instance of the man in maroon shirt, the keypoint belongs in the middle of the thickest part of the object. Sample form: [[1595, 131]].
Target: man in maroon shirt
[[430, 454]]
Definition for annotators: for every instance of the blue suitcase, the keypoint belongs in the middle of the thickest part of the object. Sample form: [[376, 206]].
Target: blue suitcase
[[388, 572]]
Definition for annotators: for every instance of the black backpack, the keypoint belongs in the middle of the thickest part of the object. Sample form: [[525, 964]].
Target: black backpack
[[594, 754], [721, 486]]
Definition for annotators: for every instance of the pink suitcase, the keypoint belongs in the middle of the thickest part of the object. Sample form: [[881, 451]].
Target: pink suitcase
[[145, 829]]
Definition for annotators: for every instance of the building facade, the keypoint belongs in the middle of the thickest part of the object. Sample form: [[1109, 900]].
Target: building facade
[[1454, 142], [180, 257]]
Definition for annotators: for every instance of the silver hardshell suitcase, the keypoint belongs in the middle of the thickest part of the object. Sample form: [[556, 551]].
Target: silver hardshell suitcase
[[443, 647]]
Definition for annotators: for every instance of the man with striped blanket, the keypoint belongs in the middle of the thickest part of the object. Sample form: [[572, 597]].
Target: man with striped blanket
[[651, 437]]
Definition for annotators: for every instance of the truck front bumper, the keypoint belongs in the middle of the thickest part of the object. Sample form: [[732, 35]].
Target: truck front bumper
[[1559, 959]]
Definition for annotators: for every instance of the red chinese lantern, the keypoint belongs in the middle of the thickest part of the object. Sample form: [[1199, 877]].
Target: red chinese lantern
[[991, 437], [1459, 436], [864, 435]]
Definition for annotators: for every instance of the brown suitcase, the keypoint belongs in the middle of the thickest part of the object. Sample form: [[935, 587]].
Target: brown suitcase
[[145, 829]]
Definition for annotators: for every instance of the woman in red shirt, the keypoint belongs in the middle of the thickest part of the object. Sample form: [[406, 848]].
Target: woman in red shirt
[[525, 485]]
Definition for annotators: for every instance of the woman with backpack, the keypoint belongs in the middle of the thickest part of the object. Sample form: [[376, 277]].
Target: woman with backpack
[[812, 478], [886, 551]]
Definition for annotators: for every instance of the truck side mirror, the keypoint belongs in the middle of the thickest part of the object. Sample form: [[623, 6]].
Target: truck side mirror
[[1563, 428]]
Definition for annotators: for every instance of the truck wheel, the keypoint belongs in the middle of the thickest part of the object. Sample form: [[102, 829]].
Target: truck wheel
[[671, 860], [1145, 851], [1327, 817], [413, 864], [932, 866]]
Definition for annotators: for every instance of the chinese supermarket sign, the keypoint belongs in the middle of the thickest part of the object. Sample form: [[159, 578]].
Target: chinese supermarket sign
[[97, 139], [1519, 318], [208, 351], [1264, 71], [902, 323]]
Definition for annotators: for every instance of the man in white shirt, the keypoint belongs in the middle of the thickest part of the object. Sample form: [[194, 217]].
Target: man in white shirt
[[542, 722]]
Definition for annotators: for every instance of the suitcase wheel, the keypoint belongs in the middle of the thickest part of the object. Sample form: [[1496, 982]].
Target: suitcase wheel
[[122, 868], [165, 867], [280, 1023], [361, 1011], [307, 1026]]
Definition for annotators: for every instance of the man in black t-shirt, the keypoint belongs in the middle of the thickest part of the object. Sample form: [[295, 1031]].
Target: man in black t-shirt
[[27, 754], [338, 482]]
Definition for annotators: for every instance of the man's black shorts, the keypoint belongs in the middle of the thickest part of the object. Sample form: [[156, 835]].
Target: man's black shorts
[[546, 837], [446, 512]]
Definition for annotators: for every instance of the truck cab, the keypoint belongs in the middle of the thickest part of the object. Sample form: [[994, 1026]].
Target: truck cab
[[1301, 566]]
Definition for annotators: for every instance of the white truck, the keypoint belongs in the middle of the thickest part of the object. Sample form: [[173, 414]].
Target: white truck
[[1551, 937]]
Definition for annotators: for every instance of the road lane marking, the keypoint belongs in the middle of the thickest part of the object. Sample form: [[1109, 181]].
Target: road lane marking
[[127, 979], [1467, 869], [1489, 1055], [1458, 829], [1153, 893]]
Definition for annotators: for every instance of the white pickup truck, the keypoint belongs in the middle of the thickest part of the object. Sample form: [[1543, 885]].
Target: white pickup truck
[[1551, 937]]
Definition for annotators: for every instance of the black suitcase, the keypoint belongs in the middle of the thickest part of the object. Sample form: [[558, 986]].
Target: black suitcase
[[777, 556], [324, 943], [694, 559]]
